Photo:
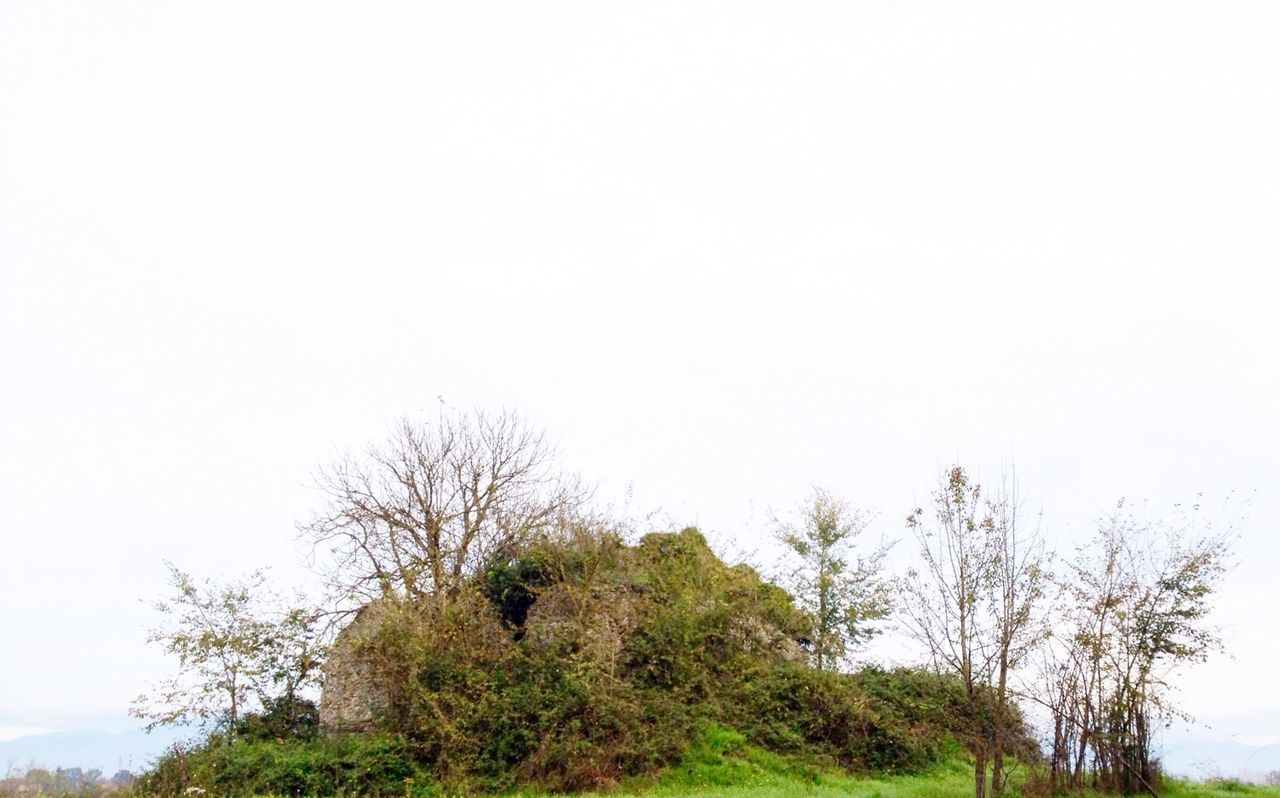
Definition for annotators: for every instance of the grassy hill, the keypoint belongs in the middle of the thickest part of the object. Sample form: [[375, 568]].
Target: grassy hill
[[593, 666]]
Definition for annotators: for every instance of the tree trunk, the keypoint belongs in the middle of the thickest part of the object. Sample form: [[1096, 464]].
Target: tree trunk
[[979, 776], [997, 768], [1001, 719]]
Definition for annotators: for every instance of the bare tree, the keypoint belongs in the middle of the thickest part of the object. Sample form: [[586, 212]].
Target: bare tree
[[973, 603], [1139, 601], [842, 592], [436, 502], [1021, 576]]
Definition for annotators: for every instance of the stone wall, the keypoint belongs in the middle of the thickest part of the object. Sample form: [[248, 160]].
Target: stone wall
[[351, 698]]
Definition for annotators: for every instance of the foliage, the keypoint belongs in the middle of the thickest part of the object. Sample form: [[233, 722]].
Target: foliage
[[976, 606], [843, 594], [365, 765], [924, 710], [281, 718], [512, 587], [236, 650], [1137, 609], [586, 662], [832, 719]]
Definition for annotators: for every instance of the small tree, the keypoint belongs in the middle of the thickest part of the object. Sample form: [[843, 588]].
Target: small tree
[[292, 652], [842, 592], [1139, 606], [236, 651], [973, 603]]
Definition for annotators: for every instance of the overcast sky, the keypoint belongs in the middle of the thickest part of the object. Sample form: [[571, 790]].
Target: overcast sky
[[719, 251]]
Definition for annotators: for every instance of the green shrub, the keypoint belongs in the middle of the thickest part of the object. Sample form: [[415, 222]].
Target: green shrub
[[365, 765], [283, 718]]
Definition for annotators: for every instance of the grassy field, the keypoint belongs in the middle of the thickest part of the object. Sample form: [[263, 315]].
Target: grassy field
[[724, 766]]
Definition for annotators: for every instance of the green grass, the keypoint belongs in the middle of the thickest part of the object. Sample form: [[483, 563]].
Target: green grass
[[1229, 788], [723, 765], [1223, 788], [952, 783]]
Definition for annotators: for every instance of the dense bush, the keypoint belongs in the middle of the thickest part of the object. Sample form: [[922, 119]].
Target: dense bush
[[283, 718], [917, 712], [352, 765]]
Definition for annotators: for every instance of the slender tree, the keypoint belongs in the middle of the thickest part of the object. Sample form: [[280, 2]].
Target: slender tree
[[1138, 610], [842, 591], [1020, 582], [973, 604]]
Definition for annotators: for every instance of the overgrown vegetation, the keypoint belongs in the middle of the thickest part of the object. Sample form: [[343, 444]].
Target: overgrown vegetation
[[365, 764], [508, 638], [581, 664], [623, 654]]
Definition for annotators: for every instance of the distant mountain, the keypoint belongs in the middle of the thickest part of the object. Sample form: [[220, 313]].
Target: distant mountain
[[105, 751]]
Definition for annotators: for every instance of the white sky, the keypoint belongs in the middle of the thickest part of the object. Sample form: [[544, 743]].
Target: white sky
[[719, 250]]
